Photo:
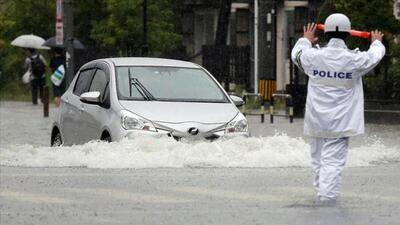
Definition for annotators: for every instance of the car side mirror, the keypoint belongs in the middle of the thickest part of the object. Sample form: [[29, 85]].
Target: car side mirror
[[92, 97], [237, 100]]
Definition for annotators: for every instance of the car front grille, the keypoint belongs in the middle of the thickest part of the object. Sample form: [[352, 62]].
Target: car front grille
[[209, 138]]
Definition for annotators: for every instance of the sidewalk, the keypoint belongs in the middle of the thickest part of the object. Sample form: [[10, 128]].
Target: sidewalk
[[23, 123]]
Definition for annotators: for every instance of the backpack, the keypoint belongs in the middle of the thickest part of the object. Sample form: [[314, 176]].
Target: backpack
[[37, 67]]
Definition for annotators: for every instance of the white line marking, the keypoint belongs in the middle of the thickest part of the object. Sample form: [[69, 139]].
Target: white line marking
[[32, 197], [130, 196]]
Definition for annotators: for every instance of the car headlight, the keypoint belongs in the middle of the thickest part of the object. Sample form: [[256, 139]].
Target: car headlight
[[130, 121], [237, 125]]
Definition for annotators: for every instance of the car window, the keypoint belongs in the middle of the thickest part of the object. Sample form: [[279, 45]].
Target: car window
[[82, 82], [99, 82], [167, 84]]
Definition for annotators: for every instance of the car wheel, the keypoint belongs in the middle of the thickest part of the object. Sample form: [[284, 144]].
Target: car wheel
[[106, 137], [56, 140]]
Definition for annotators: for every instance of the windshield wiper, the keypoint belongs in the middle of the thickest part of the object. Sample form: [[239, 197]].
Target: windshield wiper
[[139, 87]]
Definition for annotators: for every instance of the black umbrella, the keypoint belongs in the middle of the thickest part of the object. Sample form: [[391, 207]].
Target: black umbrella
[[51, 42]]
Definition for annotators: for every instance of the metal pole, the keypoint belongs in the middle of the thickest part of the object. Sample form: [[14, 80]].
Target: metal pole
[[69, 40], [271, 110], [145, 47], [45, 101], [255, 46]]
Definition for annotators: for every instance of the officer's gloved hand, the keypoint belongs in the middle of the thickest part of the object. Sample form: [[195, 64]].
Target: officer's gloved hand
[[309, 32], [376, 35]]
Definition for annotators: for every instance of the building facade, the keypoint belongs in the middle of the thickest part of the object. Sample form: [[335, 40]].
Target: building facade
[[280, 23]]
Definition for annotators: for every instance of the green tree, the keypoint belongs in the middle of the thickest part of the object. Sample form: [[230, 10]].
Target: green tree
[[123, 27], [17, 18], [115, 24], [87, 14]]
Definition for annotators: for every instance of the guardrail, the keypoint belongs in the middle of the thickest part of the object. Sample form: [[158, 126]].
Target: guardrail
[[255, 105], [288, 108]]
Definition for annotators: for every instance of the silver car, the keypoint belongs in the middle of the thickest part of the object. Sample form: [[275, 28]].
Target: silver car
[[110, 99]]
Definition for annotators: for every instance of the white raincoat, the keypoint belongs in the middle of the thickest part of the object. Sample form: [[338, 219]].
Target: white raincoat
[[335, 100], [335, 104]]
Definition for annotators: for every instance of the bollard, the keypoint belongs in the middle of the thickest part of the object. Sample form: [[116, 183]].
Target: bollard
[[45, 101], [291, 114], [262, 113], [290, 104], [271, 110]]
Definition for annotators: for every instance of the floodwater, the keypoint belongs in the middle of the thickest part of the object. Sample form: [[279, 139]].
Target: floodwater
[[264, 179], [24, 142], [279, 150]]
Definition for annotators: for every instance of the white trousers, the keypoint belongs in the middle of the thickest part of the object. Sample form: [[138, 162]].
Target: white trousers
[[328, 160]]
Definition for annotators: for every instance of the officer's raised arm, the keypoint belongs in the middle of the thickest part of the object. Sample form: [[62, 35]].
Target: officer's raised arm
[[366, 61], [302, 51]]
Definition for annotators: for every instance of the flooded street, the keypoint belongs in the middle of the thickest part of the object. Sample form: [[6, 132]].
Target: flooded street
[[193, 196], [265, 179]]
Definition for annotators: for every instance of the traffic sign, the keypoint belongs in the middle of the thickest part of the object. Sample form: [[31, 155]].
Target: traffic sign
[[59, 22]]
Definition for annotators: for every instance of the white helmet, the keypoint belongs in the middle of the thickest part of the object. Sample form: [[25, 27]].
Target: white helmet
[[337, 22]]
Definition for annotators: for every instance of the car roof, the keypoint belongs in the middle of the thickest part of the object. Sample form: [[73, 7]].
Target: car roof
[[147, 61]]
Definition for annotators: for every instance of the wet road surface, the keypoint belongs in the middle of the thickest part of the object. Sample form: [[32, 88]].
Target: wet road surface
[[193, 193]]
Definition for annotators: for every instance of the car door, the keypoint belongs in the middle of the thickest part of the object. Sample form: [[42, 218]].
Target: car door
[[94, 116], [72, 112]]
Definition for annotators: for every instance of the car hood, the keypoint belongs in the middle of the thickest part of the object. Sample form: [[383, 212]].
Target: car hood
[[182, 112]]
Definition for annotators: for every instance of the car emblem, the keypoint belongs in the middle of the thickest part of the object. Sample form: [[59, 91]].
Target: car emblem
[[193, 131]]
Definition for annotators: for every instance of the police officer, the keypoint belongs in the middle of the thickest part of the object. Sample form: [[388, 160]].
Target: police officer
[[335, 100]]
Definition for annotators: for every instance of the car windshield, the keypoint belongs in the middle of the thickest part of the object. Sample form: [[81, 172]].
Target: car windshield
[[167, 84]]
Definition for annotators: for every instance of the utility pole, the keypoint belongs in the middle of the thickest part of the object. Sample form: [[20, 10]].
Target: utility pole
[[255, 46], [221, 35], [145, 46], [69, 39]]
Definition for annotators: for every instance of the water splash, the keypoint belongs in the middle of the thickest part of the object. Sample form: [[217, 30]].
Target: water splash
[[279, 150]]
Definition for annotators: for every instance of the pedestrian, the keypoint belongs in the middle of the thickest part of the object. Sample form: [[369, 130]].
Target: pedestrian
[[36, 64], [335, 99], [57, 65]]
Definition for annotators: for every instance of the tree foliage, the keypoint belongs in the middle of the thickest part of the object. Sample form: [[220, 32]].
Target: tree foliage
[[123, 28], [105, 24], [17, 18]]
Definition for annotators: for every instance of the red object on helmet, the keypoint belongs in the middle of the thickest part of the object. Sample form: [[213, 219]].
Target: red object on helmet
[[354, 33]]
